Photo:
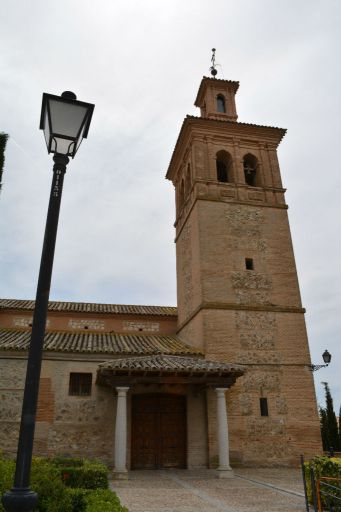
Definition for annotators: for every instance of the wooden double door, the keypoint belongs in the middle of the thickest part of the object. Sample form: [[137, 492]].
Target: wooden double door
[[158, 431]]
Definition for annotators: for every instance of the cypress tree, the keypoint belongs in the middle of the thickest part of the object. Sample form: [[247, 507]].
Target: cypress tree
[[3, 141], [324, 429], [331, 422]]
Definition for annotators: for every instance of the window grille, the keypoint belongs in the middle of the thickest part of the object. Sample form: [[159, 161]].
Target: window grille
[[80, 384]]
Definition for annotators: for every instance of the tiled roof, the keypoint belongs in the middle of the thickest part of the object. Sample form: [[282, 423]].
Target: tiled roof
[[282, 131], [89, 307], [97, 343], [170, 363]]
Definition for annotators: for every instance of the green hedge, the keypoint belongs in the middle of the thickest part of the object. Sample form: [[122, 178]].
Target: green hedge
[[83, 473], [103, 500], [55, 496], [68, 461], [45, 480], [324, 466]]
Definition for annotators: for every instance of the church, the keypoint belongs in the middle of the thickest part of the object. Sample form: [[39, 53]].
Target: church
[[221, 380]]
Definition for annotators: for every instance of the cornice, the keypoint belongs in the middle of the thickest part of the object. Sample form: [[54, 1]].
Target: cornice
[[240, 307], [271, 134]]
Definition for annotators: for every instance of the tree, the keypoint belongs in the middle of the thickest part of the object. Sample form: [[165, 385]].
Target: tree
[[328, 421], [3, 142], [324, 429]]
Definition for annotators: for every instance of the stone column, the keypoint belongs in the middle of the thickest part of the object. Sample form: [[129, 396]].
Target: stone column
[[224, 469], [120, 470]]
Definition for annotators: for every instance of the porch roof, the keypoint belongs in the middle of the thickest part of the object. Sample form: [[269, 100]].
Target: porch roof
[[167, 368]]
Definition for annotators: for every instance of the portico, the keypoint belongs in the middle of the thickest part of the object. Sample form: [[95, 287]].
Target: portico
[[167, 395]]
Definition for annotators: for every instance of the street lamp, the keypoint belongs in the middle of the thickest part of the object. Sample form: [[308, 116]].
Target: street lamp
[[65, 122], [326, 356]]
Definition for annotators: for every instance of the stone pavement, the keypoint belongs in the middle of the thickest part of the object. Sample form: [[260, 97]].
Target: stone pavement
[[252, 489]]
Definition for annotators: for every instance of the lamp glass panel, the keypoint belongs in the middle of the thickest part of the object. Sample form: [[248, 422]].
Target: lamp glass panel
[[47, 129], [66, 118], [81, 136], [62, 146]]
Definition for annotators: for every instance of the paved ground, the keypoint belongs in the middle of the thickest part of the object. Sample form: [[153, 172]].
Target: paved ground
[[256, 490]]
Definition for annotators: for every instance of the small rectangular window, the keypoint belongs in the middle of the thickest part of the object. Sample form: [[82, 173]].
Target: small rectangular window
[[80, 384], [249, 263], [264, 411]]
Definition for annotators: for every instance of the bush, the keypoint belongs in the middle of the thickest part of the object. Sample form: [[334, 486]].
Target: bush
[[55, 496], [45, 480], [103, 500], [52, 494], [68, 461], [6, 477], [89, 475], [323, 467], [77, 498]]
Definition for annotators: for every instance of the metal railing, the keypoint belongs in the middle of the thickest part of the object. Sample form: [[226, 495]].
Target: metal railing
[[325, 491], [330, 494]]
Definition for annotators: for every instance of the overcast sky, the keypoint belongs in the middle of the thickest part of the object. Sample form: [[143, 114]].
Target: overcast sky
[[141, 63]]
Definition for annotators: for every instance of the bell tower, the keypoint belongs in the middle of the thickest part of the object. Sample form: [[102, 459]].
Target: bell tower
[[237, 286]]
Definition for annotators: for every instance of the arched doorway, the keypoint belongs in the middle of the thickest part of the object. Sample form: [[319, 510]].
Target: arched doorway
[[158, 431]]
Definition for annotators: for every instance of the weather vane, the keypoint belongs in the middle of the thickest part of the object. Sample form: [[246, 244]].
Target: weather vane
[[213, 68]]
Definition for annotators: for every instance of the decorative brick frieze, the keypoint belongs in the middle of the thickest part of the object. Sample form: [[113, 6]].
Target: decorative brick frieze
[[281, 405], [264, 427], [261, 380], [83, 323], [25, 321], [250, 280], [140, 326], [245, 404], [252, 297], [255, 321], [241, 217], [259, 341], [261, 358]]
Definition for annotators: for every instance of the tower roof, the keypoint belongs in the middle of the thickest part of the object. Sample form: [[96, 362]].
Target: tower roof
[[215, 83]]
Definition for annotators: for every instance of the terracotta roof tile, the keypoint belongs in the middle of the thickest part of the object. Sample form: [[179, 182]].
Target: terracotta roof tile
[[89, 307], [97, 343], [170, 363]]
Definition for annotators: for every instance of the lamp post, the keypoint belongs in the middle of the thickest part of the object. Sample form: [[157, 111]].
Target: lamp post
[[65, 122], [326, 356]]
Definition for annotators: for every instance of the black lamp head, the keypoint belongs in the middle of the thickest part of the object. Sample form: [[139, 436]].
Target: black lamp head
[[326, 357], [65, 122]]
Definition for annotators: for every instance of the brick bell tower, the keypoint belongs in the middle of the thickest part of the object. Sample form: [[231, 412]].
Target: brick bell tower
[[237, 286]]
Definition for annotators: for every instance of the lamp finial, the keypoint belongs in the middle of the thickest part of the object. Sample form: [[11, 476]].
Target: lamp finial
[[69, 95]]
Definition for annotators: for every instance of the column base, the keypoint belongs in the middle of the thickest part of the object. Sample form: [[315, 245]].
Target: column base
[[120, 474], [225, 472]]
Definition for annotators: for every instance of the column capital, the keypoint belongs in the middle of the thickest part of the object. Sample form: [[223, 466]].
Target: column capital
[[221, 391], [122, 391]]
